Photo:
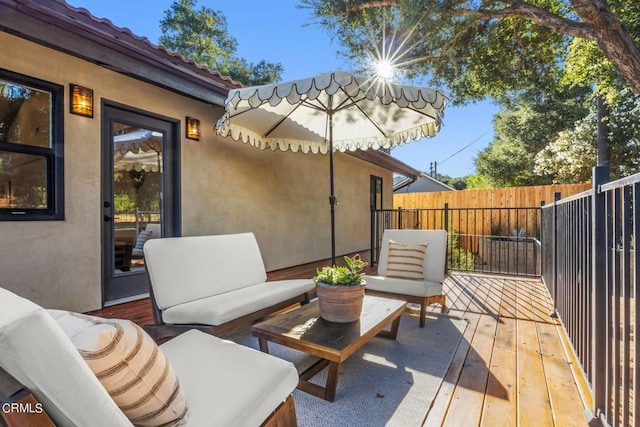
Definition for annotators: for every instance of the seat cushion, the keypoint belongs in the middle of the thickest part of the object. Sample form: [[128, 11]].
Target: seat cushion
[[36, 352], [405, 261], [129, 365], [227, 384], [222, 308], [418, 288]]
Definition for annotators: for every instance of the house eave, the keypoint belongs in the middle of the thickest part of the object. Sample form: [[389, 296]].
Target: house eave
[[386, 161], [76, 32]]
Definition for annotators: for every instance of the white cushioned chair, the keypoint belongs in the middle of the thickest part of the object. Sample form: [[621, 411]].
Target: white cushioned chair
[[214, 283], [424, 291], [225, 384]]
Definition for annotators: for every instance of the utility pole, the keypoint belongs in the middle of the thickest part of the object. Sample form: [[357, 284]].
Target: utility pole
[[433, 170]]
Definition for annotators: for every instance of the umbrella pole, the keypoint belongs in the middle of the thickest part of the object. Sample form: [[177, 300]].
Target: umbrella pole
[[332, 197]]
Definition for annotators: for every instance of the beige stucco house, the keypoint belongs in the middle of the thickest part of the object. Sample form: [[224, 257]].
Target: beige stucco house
[[59, 251]]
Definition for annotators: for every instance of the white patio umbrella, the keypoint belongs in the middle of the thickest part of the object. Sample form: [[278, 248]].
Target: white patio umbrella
[[138, 150], [329, 112]]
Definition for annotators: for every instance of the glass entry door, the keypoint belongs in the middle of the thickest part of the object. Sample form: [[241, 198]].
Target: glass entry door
[[139, 196]]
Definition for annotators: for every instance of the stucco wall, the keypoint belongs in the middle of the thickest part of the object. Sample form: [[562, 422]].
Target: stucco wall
[[226, 187], [283, 197]]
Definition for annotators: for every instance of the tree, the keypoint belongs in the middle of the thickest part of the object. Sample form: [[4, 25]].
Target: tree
[[571, 155], [527, 124], [492, 47], [202, 35], [457, 183]]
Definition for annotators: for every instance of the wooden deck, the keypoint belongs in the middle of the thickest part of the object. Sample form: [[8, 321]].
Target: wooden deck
[[512, 368]]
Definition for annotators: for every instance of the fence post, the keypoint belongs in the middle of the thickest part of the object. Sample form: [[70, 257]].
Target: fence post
[[373, 224], [600, 176], [400, 218], [554, 251], [446, 216]]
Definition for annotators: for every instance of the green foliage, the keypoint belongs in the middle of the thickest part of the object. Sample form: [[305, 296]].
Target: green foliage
[[529, 122], [457, 183], [123, 203], [572, 154], [459, 258], [340, 275], [202, 35], [486, 49], [477, 182]]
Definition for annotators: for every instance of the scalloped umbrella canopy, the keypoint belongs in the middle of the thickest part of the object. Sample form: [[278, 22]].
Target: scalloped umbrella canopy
[[329, 112], [138, 150]]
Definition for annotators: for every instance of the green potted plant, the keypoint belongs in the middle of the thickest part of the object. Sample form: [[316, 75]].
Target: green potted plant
[[341, 290]]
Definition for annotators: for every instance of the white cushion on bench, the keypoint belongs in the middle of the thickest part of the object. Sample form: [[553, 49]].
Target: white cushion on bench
[[227, 384], [416, 288], [223, 308]]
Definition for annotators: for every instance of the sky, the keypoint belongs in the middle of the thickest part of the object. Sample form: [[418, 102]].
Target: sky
[[277, 31]]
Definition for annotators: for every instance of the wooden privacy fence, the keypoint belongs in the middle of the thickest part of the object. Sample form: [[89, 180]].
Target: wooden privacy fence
[[512, 197], [487, 212]]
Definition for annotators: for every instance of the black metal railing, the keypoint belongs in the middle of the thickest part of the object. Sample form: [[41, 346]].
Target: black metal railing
[[591, 267], [137, 219], [567, 268], [488, 240]]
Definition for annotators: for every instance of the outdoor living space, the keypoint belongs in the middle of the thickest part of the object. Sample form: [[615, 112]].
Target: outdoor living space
[[511, 365]]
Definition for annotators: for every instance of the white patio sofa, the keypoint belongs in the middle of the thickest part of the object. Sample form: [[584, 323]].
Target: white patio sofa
[[224, 384], [424, 291], [214, 283]]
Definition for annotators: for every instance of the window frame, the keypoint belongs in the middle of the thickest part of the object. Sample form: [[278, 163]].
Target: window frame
[[53, 155]]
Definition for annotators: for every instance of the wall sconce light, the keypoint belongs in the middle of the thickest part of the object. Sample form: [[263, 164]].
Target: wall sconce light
[[81, 100], [193, 128]]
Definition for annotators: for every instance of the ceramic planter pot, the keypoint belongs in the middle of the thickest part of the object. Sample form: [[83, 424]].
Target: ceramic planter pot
[[340, 304]]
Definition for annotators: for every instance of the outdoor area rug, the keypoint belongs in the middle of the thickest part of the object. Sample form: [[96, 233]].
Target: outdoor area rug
[[386, 383]]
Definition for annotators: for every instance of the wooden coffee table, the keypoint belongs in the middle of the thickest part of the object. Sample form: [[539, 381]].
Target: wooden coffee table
[[303, 329]]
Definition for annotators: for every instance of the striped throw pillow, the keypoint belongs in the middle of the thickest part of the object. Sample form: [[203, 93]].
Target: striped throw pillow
[[406, 261], [130, 366]]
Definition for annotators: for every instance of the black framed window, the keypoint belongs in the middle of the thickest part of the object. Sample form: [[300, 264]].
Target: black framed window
[[31, 148]]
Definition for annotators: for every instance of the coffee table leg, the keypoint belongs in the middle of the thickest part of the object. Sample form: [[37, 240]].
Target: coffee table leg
[[332, 382], [328, 392], [393, 332], [264, 347]]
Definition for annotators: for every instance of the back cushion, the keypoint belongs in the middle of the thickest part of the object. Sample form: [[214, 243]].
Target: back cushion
[[36, 352], [183, 269], [142, 238], [435, 256]]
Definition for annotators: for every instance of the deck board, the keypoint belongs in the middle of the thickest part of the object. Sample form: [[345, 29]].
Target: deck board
[[512, 367], [533, 396], [501, 387]]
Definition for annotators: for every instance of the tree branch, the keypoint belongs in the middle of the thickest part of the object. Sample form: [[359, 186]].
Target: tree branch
[[369, 5], [539, 16]]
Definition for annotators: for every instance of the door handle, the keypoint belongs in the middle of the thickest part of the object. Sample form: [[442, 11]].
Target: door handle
[[107, 218]]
